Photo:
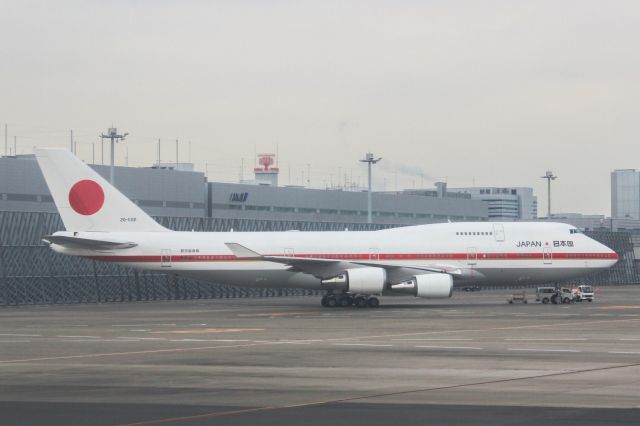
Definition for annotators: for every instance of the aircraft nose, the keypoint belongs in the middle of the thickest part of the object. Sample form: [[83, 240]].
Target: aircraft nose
[[610, 254]]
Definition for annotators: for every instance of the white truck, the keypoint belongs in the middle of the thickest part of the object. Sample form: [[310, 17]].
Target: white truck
[[582, 293]]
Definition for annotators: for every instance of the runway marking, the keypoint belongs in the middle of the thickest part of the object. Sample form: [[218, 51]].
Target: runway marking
[[480, 330], [450, 347], [15, 341], [623, 353], [434, 340], [546, 340], [274, 314], [208, 330], [107, 354], [542, 350], [619, 307], [20, 335], [360, 344], [370, 396], [143, 325], [80, 337], [630, 339]]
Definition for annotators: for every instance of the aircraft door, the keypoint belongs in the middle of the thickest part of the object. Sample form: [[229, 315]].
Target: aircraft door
[[472, 256], [547, 256], [374, 254], [165, 258], [498, 232]]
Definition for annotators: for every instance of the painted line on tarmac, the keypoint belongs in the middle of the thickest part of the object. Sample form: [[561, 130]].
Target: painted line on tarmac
[[482, 330], [143, 325], [20, 335], [433, 340], [450, 347], [145, 352], [546, 340], [623, 353], [80, 337], [543, 350], [360, 344]]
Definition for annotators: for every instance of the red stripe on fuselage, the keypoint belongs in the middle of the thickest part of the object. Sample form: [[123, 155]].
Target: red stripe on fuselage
[[366, 257]]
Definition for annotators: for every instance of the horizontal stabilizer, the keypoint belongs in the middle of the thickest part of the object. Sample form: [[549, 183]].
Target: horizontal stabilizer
[[87, 243]]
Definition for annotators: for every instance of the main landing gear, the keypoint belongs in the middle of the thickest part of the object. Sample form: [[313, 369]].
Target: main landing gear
[[345, 300]]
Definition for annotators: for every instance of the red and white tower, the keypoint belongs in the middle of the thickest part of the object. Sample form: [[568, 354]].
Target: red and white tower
[[266, 173]]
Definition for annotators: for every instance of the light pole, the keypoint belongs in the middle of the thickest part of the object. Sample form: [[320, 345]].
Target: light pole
[[112, 134], [549, 176], [370, 161]]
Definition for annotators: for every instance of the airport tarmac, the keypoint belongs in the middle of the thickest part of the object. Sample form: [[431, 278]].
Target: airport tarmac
[[471, 359]]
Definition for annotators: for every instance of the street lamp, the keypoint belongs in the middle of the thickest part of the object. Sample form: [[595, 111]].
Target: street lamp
[[370, 161], [112, 134], [549, 176]]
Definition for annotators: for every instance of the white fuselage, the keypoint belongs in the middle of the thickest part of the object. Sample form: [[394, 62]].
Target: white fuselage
[[485, 253]]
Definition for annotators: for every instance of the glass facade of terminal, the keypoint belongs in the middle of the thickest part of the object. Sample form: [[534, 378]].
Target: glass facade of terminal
[[625, 194]]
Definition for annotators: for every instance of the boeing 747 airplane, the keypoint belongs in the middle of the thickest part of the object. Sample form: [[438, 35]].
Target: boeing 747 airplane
[[354, 267]]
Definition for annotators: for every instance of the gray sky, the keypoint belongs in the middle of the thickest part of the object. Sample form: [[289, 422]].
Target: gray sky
[[491, 92]]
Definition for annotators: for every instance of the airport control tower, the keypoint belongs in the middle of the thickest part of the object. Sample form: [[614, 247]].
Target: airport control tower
[[266, 174]]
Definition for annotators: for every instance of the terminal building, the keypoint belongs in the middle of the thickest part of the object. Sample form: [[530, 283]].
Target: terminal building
[[165, 191], [505, 204], [625, 194]]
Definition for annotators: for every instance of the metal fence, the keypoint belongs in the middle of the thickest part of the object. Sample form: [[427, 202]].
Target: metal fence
[[31, 273]]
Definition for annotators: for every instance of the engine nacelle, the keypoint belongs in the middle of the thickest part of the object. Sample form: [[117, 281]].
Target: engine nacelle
[[432, 286], [358, 280]]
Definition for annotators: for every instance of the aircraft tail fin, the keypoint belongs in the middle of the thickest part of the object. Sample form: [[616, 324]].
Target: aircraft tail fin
[[85, 200]]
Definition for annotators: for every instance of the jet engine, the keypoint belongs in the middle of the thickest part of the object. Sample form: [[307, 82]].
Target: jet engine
[[366, 280], [432, 286]]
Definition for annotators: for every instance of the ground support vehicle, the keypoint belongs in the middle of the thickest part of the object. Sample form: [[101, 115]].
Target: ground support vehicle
[[583, 292], [554, 295], [520, 297]]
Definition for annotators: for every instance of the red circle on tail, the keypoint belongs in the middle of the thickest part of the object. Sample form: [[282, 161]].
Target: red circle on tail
[[86, 197]]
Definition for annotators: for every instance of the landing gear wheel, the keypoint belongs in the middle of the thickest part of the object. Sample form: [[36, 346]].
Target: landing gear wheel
[[332, 302], [360, 302], [373, 302], [345, 302]]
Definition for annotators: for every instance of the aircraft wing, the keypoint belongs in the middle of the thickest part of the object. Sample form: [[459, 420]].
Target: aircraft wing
[[87, 243], [327, 268]]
